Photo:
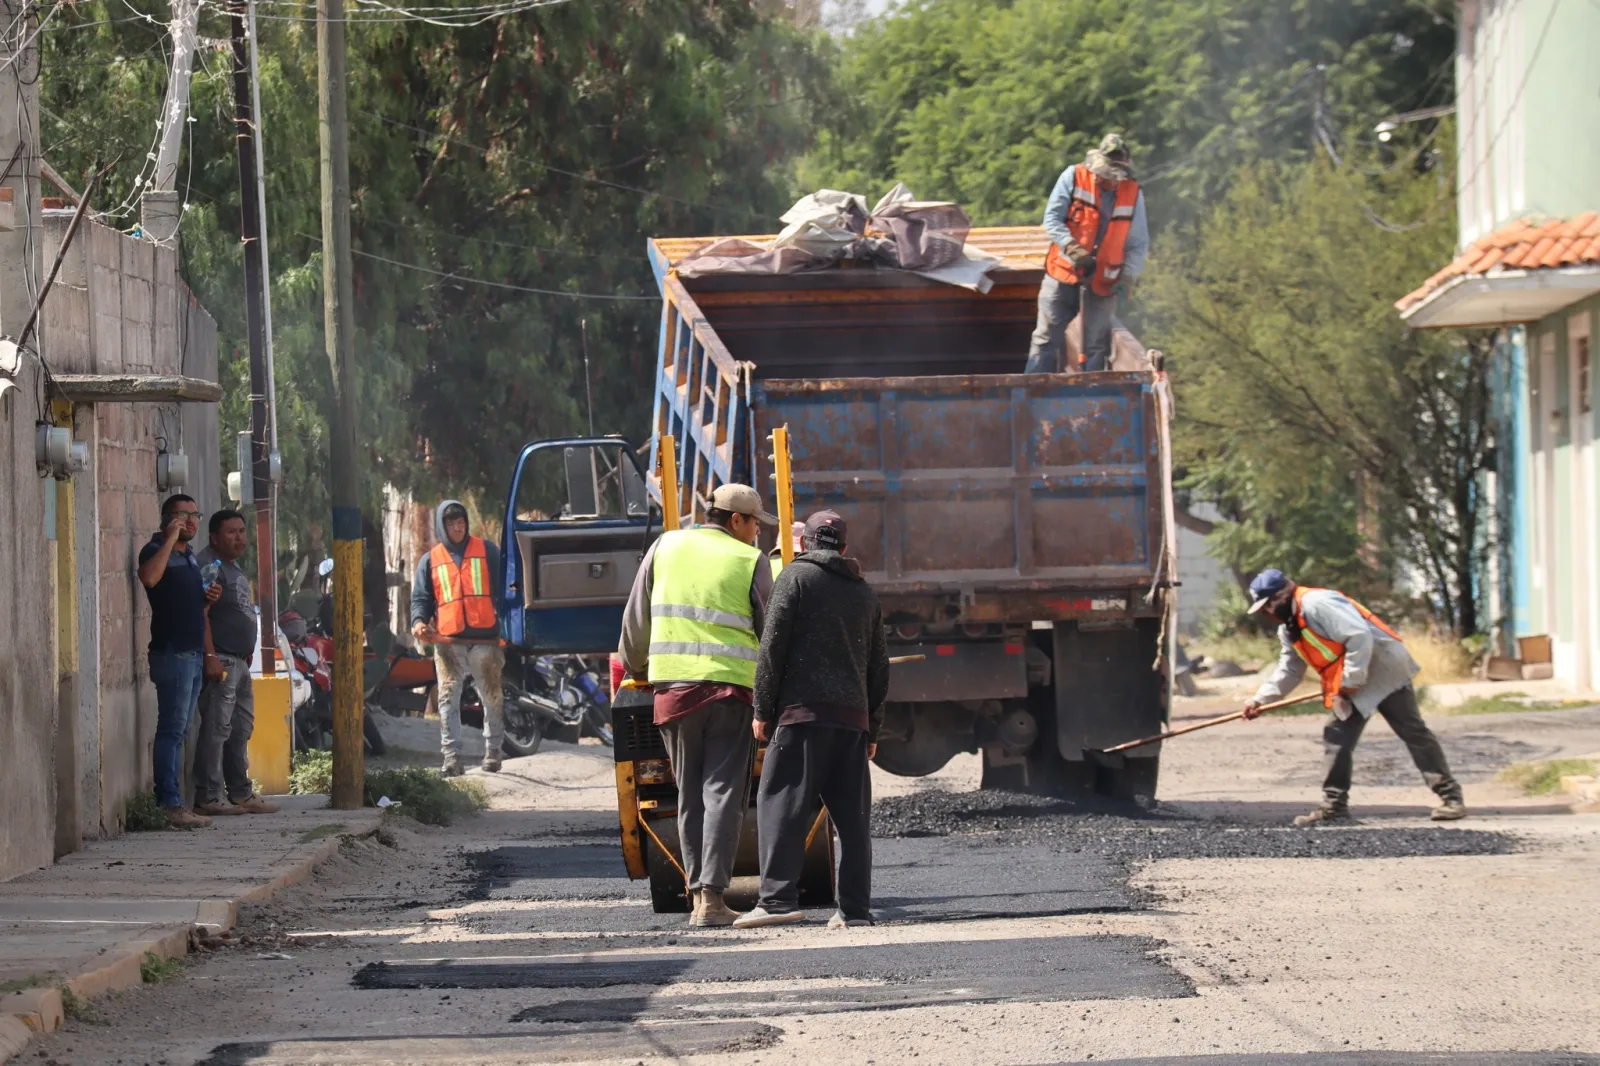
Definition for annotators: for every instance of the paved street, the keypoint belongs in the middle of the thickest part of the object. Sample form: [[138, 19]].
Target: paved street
[[1015, 930]]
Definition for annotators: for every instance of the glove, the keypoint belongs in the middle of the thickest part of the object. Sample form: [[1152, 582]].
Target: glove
[[1081, 258]]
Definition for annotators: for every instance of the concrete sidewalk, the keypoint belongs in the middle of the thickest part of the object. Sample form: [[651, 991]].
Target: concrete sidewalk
[[88, 922]]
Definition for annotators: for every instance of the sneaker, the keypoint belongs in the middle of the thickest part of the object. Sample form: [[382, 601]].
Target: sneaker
[[761, 916], [218, 808], [710, 911], [254, 804], [1453, 810], [491, 764], [452, 766], [839, 921], [180, 818], [1325, 815]]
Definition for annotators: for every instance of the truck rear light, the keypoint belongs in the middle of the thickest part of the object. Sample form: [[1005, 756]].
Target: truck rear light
[[652, 771]]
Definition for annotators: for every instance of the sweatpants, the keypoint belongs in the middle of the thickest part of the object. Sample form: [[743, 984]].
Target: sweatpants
[[485, 663], [710, 750], [1058, 305], [805, 763], [1400, 710], [227, 721]]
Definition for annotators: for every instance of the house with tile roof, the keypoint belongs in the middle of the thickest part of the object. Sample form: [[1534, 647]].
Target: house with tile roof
[[1528, 193]]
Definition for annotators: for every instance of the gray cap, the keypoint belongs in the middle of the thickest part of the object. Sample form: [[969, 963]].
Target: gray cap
[[741, 499]]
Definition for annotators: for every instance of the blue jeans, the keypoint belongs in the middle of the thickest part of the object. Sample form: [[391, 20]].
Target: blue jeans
[[177, 676], [1059, 304]]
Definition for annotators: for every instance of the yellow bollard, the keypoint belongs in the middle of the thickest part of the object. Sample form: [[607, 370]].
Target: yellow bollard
[[270, 746]]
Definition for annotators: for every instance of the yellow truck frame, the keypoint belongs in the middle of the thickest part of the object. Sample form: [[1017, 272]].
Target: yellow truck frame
[[647, 795]]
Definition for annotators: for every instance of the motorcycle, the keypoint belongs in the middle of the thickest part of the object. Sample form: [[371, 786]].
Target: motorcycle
[[312, 655], [596, 699]]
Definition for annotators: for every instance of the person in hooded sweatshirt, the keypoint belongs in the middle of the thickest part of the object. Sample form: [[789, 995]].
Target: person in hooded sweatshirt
[[822, 674], [452, 597]]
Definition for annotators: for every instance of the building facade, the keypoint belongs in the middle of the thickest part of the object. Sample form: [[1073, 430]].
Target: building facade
[[1528, 193]]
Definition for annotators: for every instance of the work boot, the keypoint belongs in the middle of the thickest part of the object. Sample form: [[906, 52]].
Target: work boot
[[452, 766], [1453, 810], [254, 804], [1325, 815], [839, 921], [491, 764], [694, 905], [217, 808], [180, 818], [710, 910], [761, 916]]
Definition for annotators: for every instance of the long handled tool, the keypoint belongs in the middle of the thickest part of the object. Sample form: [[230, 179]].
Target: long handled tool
[[893, 659], [1209, 722]]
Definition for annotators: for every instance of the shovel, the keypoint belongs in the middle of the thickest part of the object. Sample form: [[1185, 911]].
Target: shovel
[[1209, 722]]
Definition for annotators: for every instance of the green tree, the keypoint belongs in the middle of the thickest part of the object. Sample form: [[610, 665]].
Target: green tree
[[1340, 444]]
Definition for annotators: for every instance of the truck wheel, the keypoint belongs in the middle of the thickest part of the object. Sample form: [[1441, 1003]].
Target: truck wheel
[[668, 892], [816, 876]]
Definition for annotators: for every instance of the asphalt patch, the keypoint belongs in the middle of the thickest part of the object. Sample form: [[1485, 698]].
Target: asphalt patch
[[1384, 760], [1068, 827], [1371, 1058], [963, 878], [851, 978], [592, 1042]]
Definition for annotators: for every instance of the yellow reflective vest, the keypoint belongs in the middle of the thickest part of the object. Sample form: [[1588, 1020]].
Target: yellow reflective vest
[[701, 627]]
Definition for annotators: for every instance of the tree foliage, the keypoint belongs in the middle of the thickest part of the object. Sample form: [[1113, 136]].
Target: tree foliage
[[536, 151], [1340, 444], [985, 101]]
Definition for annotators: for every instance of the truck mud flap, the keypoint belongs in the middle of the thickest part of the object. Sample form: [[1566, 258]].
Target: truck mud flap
[[1106, 688]]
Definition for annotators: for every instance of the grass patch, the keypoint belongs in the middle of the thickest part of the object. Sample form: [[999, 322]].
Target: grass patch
[[77, 1008], [1544, 778], [1443, 659], [1510, 703], [321, 831], [423, 794], [143, 814], [153, 969], [22, 984]]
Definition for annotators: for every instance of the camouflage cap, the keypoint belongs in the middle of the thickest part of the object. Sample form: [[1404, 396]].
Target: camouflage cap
[[1113, 146]]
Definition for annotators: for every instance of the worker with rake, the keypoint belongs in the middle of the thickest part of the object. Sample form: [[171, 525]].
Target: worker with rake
[[1364, 667]]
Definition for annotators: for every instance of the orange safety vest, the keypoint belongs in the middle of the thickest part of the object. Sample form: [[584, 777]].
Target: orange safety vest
[[1083, 222], [1325, 655], [462, 592]]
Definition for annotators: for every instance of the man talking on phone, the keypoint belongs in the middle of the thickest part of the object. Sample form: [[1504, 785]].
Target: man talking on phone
[[179, 598]]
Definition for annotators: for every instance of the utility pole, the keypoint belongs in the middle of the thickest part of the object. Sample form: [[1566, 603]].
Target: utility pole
[[255, 295], [266, 263], [338, 317], [159, 206]]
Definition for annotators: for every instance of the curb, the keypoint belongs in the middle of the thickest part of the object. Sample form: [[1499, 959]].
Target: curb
[[24, 1013]]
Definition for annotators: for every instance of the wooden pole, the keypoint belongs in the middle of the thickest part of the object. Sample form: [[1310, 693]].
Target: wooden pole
[[782, 475], [669, 483], [1209, 722], [338, 315]]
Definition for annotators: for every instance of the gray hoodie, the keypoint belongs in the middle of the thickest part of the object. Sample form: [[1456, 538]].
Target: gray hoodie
[[423, 605]]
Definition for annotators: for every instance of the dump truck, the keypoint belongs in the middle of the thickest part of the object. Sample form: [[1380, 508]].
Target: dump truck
[[1018, 528]]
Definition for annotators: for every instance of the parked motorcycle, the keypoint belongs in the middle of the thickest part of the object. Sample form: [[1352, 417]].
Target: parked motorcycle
[[312, 655]]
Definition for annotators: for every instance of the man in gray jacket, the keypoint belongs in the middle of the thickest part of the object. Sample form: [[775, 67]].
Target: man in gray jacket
[[822, 675], [1364, 668]]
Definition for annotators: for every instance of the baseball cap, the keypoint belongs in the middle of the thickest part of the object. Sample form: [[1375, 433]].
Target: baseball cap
[[826, 530], [741, 499], [1113, 146], [1266, 585]]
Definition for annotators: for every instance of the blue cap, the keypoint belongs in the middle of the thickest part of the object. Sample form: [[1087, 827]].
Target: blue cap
[[1266, 585]]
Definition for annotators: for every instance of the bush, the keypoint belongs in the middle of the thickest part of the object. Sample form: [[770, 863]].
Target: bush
[[426, 795], [1543, 778], [311, 773], [143, 814]]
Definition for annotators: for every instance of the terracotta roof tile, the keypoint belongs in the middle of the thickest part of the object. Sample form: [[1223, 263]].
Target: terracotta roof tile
[[1521, 245]]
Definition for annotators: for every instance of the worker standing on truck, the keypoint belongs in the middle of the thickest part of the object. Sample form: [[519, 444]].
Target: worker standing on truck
[[1364, 668], [821, 680], [691, 629], [1098, 242], [452, 598]]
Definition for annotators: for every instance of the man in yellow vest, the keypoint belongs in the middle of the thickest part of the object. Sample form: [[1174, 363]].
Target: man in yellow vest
[[1098, 241], [1364, 667], [691, 628], [452, 608]]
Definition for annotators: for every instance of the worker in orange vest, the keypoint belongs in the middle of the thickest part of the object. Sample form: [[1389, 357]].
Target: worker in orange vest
[[452, 608], [1098, 242], [1364, 667]]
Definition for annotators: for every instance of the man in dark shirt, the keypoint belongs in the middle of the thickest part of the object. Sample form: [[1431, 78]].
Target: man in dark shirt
[[822, 674], [179, 598], [227, 703]]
